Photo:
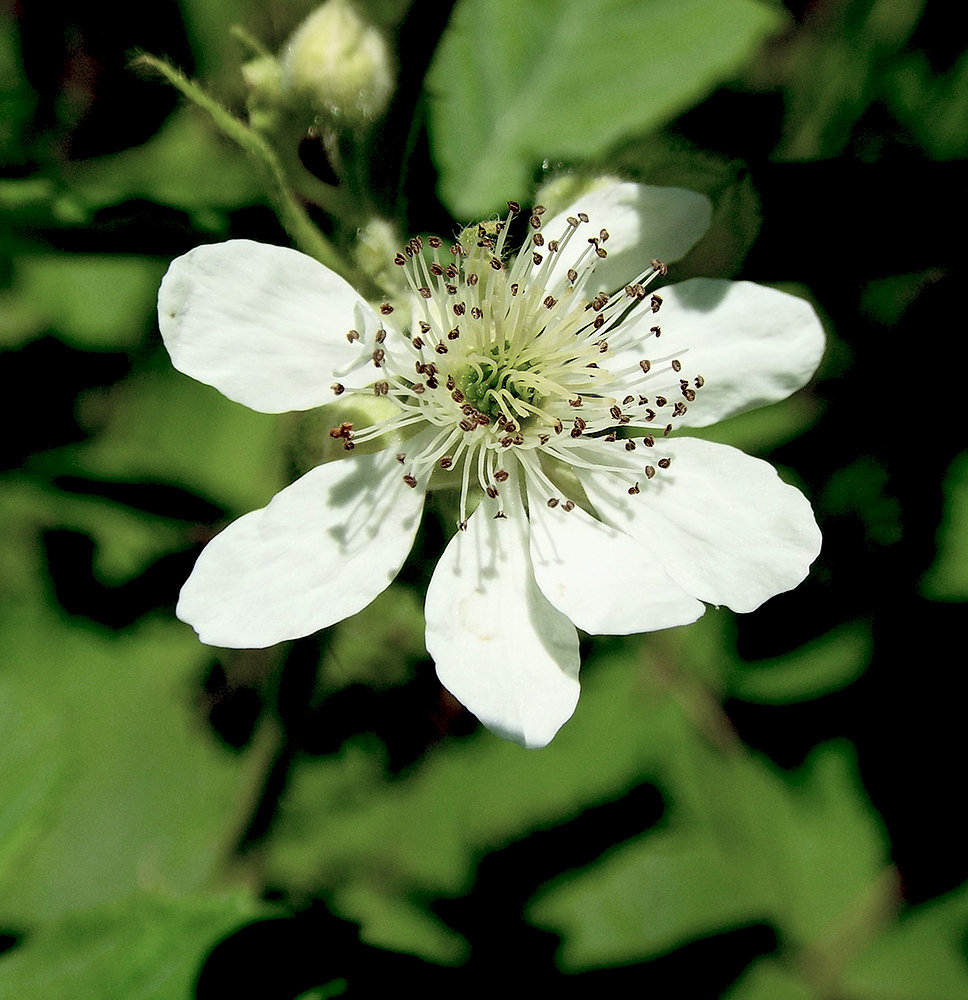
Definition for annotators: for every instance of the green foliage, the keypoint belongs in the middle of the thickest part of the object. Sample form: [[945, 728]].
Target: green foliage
[[569, 80], [139, 829], [145, 947]]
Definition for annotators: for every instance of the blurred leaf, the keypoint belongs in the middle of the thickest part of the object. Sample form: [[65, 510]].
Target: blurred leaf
[[466, 797], [378, 645], [102, 303], [768, 979], [32, 767], [159, 425], [568, 80], [187, 165], [922, 956], [145, 947], [947, 578], [144, 796], [934, 108], [17, 99], [862, 490], [824, 665], [742, 844], [149, 795]]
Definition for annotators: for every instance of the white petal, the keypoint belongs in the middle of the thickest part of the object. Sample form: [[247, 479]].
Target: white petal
[[500, 648], [320, 551], [642, 222], [265, 325], [724, 525], [751, 344], [603, 580]]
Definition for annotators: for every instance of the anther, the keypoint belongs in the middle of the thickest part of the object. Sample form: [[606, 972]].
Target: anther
[[386, 308], [649, 471], [645, 365], [441, 348], [338, 389], [676, 365], [659, 266], [568, 505], [552, 502], [446, 462], [501, 475], [664, 463], [655, 302], [514, 206], [352, 336], [410, 481], [378, 355], [633, 490], [453, 334]]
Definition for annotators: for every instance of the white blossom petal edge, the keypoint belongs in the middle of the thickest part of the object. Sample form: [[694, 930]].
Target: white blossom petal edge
[[539, 385]]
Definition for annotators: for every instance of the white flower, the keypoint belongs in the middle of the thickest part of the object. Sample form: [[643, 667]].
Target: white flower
[[549, 402]]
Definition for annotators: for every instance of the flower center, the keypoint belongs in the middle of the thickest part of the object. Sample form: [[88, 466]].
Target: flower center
[[511, 358]]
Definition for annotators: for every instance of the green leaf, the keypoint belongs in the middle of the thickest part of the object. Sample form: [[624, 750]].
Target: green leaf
[[824, 665], [583, 75], [923, 955], [161, 425], [129, 788], [187, 165], [947, 578], [767, 979], [98, 302], [466, 798], [145, 947], [33, 764], [742, 844]]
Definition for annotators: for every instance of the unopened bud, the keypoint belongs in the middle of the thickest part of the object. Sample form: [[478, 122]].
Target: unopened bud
[[340, 62]]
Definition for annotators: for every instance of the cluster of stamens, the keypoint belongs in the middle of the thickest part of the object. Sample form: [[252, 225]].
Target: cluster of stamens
[[508, 358]]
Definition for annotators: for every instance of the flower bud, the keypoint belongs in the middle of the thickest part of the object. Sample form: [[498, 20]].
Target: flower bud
[[340, 62]]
